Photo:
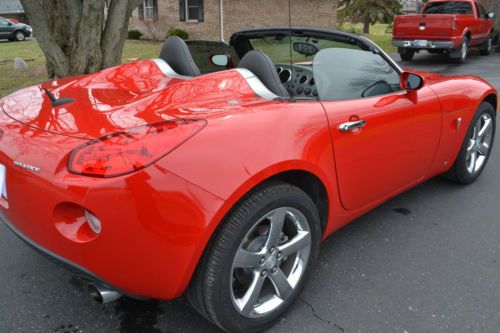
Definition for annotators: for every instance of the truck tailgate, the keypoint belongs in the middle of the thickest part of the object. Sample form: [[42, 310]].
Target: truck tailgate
[[423, 26]]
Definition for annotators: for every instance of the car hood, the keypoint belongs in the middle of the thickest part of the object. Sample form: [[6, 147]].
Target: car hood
[[125, 97]]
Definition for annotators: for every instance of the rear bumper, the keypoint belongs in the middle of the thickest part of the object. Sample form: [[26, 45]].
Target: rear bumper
[[154, 228], [57, 259], [431, 44]]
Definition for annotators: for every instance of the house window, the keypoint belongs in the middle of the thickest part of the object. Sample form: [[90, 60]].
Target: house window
[[148, 10], [191, 10]]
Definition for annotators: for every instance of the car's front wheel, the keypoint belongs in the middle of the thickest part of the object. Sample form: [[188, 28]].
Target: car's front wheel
[[487, 47], [476, 148], [19, 36], [258, 260]]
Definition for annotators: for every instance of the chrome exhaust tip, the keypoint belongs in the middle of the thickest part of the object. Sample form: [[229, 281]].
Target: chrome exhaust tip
[[102, 294]]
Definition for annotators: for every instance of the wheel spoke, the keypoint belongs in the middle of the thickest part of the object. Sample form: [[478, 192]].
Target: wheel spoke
[[472, 164], [485, 129], [470, 147], [302, 240], [245, 258], [277, 220], [281, 284], [477, 129], [247, 303]]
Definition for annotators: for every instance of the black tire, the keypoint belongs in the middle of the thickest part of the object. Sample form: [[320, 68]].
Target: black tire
[[406, 54], [210, 291], [459, 172], [459, 56], [486, 48], [19, 36]]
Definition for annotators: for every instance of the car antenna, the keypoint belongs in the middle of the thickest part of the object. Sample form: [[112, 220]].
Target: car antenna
[[292, 98], [56, 102]]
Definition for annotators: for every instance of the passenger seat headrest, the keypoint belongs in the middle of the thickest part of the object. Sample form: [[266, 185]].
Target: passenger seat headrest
[[176, 54]]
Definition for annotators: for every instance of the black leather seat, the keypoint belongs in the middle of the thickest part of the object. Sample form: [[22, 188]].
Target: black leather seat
[[263, 68], [176, 53]]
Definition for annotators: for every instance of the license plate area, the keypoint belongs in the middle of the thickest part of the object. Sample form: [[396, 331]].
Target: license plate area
[[3, 186], [421, 43]]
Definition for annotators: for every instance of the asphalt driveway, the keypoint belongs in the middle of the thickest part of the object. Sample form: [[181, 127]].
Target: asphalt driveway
[[426, 261]]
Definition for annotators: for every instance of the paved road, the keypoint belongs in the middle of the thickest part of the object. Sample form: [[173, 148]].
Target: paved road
[[427, 261]]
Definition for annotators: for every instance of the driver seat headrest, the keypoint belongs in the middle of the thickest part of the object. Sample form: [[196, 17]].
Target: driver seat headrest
[[176, 54], [263, 68]]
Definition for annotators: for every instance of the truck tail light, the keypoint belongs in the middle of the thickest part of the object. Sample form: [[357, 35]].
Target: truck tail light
[[454, 24], [131, 150]]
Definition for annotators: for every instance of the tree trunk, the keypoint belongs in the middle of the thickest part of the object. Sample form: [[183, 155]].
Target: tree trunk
[[76, 36], [366, 23]]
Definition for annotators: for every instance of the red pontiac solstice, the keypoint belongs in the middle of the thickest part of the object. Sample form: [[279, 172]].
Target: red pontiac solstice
[[154, 180]]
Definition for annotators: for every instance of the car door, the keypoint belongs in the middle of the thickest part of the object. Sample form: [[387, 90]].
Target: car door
[[5, 30], [482, 18], [384, 139]]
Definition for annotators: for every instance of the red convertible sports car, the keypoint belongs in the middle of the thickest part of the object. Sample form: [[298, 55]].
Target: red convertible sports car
[[156, 179]]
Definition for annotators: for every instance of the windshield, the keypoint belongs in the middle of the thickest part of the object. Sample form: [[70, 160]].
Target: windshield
[[448, 7], [299, 49]]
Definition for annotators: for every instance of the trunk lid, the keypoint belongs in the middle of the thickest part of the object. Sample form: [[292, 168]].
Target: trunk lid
[[121, 98]]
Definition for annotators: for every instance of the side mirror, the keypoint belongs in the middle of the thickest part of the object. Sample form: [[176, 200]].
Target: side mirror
[[411, 81], [221, 60], [492, 15]]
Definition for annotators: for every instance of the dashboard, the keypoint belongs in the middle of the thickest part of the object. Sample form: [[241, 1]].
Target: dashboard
[[298, 80]]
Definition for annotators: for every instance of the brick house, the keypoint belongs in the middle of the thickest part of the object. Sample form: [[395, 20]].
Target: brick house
[[218, 19], [12, 9]]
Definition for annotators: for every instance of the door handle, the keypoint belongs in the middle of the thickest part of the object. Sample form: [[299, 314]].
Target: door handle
[[351, 125]]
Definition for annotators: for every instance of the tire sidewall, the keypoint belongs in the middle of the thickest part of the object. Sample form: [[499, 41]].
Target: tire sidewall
[[464, 56], [487, 47], [222, 306], [457, 55], [406, 54], [463, 176]]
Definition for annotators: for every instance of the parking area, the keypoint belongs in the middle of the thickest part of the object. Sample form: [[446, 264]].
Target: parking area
[[426, 261]]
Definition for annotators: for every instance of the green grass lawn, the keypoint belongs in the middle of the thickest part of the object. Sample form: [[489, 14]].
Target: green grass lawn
[[12, 80], [378, 34]]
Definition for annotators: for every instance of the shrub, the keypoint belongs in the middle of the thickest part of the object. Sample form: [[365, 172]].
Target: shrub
[[177, 32], [134, 34]]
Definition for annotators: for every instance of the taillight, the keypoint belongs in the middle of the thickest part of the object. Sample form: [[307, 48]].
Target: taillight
[[131, 150]]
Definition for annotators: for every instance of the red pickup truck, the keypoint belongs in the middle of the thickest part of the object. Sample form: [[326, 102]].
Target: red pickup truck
[[449, 27]]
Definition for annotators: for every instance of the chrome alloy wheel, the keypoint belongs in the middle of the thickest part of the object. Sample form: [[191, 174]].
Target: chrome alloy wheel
[[270, 262], [479, 144], [464, 51], [20, 36], [490, 44]]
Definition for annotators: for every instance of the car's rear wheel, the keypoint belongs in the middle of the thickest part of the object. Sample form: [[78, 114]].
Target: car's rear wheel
[[258, 260], [476, 148], [460, 55], [406, 54], [487, 47], [19, 36]]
